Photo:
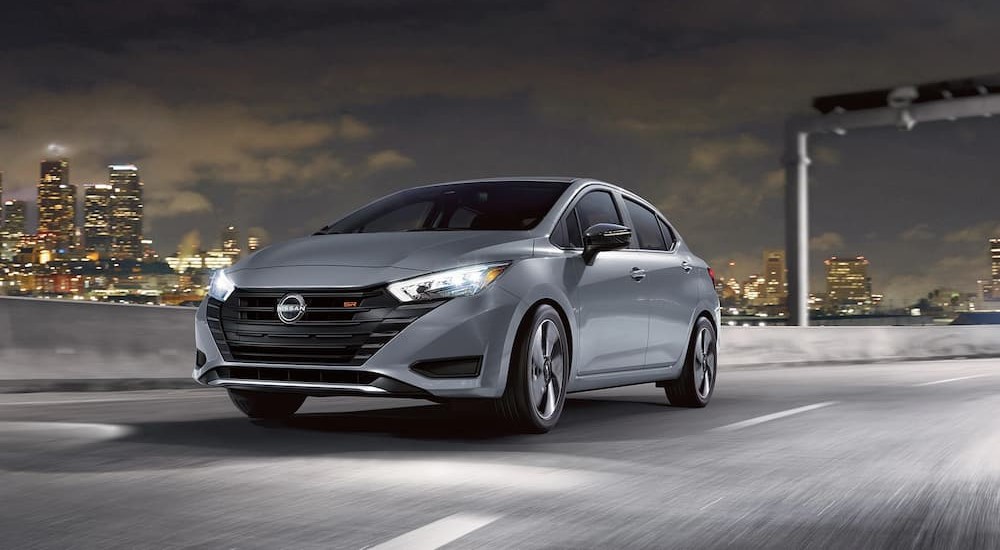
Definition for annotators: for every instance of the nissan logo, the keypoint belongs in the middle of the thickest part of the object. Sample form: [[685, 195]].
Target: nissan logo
[[291, 308]]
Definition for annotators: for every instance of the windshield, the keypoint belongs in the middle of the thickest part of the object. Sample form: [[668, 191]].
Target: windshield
[[480, 206]]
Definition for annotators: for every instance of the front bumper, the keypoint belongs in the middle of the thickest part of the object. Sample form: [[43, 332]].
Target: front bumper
[[478, 328]]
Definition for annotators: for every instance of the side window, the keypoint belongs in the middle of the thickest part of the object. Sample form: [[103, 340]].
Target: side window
[[574, 236], [646, 228], [597, 207], [567, 232], [668, 234]]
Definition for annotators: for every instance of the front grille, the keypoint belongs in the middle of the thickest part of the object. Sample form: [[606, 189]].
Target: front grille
[[340, 327]]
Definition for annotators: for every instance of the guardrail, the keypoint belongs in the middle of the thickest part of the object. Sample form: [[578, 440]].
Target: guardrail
[[57, 340]]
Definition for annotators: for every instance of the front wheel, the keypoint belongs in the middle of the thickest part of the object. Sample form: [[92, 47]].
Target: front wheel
[[696, 383], [266, 405], [539, 368]]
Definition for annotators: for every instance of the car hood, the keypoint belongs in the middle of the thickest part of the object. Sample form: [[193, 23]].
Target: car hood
[[421, 251]]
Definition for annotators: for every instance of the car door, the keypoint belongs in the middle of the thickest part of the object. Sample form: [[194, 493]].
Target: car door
[[612, 319], [669, 287]]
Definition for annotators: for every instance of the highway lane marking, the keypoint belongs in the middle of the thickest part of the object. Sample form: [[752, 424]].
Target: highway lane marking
[[773, 416], [946, 380], [711, 503], [437, 534]]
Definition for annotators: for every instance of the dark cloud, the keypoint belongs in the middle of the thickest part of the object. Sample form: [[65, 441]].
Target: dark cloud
[[284, 115]]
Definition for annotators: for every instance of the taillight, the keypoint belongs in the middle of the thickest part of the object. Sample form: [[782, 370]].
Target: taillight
[[711, 273]]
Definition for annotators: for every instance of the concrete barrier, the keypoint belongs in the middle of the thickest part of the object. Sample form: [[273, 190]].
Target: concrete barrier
[[66, 345]]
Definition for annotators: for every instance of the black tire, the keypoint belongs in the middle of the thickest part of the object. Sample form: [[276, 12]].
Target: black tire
[[517, 408], [689, 389], [266, 405]]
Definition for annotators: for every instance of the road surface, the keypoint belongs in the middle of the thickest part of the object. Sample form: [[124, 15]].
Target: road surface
[[903, 455]]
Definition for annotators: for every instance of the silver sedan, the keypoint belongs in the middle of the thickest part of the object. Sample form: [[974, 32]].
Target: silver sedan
[[503, 294]]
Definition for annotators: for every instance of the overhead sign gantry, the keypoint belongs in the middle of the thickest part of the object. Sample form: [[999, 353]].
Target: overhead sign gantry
[[902, 107]]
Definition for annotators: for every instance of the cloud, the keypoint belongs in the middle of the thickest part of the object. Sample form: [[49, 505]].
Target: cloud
[[177, 203], [919, 232], [978, 233], [389, 159], [707, 156], [827, 242], [349, 127]]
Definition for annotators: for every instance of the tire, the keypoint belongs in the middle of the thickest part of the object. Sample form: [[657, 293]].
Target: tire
[[536, 380], [266, 405], [694, 388]]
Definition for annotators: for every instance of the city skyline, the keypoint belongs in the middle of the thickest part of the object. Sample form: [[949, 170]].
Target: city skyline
[[55, 181]]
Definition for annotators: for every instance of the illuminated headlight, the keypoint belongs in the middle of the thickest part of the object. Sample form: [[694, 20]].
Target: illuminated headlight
[[222, 286], [464, 281]]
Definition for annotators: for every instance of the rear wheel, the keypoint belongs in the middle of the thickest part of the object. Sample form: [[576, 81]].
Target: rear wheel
[[696, 383], [539, 368], [266, 405]]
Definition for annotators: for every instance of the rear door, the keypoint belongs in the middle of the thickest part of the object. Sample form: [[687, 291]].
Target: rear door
[[669, 288]]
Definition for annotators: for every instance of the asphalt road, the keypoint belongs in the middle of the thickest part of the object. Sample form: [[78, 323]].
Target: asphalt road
[[900, 455]]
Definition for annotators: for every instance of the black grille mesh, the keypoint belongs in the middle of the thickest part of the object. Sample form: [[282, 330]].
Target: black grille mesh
[[340, 327]]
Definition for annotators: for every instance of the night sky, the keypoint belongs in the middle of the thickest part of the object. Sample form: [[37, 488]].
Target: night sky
[[284, 115]]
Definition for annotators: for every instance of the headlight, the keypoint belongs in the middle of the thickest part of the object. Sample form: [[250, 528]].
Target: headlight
[[464, 281], [222, 286]]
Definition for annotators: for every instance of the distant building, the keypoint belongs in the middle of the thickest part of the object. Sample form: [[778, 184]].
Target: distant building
[[56, 208], [253, 243], [775, 291], [126, 211], [994, 286], [848, 286], [753, 290], [11, 229], [13, 218], [97, 228], [231, 242]]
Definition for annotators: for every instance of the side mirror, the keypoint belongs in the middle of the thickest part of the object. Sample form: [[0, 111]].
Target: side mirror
[[604, 236]]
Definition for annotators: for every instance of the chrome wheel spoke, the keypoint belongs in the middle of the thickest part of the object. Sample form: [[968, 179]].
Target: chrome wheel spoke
[[704, 363], [546, 364]]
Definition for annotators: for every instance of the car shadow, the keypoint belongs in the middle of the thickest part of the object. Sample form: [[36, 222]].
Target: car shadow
[[423, 430]]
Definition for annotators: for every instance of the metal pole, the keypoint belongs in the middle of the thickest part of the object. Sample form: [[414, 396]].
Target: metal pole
[[797, 222]]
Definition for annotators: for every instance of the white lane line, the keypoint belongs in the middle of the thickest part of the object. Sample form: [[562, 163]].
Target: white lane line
[[945, 381], [769, 417], [710, 503], [437, 534]]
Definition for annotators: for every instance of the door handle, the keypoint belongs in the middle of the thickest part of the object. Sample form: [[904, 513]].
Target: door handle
[[638, 274], [686, 266]]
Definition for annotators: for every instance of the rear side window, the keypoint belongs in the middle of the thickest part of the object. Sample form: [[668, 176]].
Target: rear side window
[[668, 234], [647, 226]]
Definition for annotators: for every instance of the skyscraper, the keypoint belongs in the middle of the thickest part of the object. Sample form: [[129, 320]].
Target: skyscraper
[[847, 283], [13, 221], [56, 207], [995, 258], [231, 242], [774, 292], [97, 219], [126, 211], [992, 287]]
